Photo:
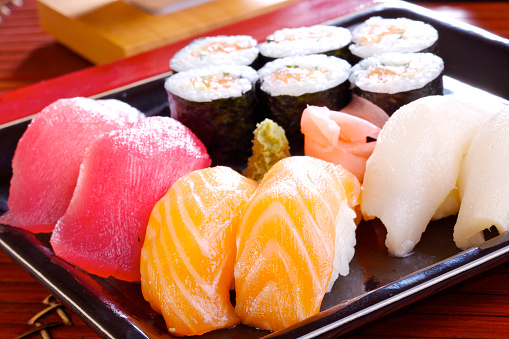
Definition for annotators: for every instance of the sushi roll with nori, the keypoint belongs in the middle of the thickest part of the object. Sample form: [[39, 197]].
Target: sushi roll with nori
[[318, 39], [288, 85], [218, 104], [378, 35], [392, 80], [217, 50]]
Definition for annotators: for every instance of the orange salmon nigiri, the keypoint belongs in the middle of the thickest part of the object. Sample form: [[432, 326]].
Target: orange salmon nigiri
[[296, 234], [188, 255]]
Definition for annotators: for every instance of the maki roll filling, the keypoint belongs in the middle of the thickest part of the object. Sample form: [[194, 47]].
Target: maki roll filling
[[378, 35], [211, 83], [303, 74], [218, 50], [318, 39]]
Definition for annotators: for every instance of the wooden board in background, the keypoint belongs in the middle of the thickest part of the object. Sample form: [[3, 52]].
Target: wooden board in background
[[107, 30]]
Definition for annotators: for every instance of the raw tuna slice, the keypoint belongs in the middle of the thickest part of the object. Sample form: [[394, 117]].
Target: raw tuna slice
[[123, 174], [48, 156]]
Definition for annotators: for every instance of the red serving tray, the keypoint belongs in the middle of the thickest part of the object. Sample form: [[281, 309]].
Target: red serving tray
[[116, 309]]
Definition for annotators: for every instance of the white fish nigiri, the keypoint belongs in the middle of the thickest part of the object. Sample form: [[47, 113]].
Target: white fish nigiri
[[416, 163], [484, 183]]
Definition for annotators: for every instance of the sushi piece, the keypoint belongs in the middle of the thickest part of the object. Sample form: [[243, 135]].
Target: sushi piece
[[338, 137], [289, 84], [378, 35], [484, 183], [392, 80], [189, 251], [269, 146], [414, 168], [218, 104], [217, 50], [123, 174], [48, 157], [318, 39], [294, 238]]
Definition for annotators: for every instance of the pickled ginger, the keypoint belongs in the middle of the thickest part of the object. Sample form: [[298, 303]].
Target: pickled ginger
[[338, 137]]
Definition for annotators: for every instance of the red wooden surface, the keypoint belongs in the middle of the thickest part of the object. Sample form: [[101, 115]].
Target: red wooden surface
[[478, 308]]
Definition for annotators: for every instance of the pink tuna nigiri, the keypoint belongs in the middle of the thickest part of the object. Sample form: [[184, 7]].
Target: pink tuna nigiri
[[338, 137], [124, 173], [48, 156]]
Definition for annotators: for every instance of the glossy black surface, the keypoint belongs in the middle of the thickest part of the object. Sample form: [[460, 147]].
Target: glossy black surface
[[377, 285]]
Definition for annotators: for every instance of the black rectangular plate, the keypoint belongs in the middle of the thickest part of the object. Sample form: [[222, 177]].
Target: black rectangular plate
[[377, 284]]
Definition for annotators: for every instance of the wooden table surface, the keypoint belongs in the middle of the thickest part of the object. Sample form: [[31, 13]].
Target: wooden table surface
[[477, 308]]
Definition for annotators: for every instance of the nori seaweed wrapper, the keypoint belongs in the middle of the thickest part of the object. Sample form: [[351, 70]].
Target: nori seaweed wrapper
[[390, 103], [431, 49], [225, 126], [286, 110], [344, 53]]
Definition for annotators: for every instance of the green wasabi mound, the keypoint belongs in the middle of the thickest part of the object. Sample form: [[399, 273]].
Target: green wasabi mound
[[269, 146]]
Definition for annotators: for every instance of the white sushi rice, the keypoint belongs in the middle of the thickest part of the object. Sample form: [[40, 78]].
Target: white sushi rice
[[304, 41], [190, 85], [323, 72], [344, 243], [198, 54], [416, 36], [408, 71]]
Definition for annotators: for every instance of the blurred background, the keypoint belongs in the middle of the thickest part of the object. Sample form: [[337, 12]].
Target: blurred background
[[29, 54]]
